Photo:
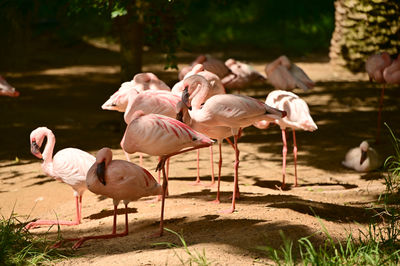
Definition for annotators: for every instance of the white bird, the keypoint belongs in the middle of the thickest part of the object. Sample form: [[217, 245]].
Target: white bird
[[69, 166], [298, 117], [362, 158]]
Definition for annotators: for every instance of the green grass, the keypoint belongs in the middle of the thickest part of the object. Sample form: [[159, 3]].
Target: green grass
[[193, 257], [19, 247], [380, 245]]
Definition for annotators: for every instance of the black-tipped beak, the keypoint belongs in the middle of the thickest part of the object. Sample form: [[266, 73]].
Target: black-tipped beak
[[185, 98], [179, 116], [274, 111], [101, 172], [35, 149], [363, 157]]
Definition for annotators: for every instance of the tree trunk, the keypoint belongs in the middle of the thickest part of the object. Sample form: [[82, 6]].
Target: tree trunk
[[362, 28], [130, 29]]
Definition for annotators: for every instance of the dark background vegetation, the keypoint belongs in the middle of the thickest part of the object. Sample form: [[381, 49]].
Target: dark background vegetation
[[292, 27]]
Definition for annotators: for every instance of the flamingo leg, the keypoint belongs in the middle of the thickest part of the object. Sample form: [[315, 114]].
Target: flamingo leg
[[235, 179], [212, 166], [127, 156], [141, 159], [165, 187], [113, 235], [378, 129], [197, 182], [57, 222], [217, 200], [295, 157], [284, 153]]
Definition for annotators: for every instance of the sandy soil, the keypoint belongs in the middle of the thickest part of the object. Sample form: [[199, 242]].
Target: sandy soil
[[64, 90]]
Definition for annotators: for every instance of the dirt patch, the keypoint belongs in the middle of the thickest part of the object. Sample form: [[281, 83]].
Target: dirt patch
[[67, 99]]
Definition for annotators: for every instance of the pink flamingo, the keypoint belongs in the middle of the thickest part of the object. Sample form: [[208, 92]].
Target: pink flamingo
[[216, 87], [6, 89], [227, 110], [141, 82], [298, 117], [214, 132], [241, 75], [381, 69], [285, 75], [119, 180], [163, 136], [69, 165], [210, 64]]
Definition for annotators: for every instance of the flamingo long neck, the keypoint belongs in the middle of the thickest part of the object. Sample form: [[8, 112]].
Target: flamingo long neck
[[199, 95], [48, 149]]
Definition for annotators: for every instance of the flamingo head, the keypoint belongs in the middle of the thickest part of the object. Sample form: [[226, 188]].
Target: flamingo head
[[35, 149], [103, 158], [364, 146]]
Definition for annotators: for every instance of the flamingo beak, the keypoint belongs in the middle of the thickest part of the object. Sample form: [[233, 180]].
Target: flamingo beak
[[185, 98], [35, 149], [363, 157], [101, 172]]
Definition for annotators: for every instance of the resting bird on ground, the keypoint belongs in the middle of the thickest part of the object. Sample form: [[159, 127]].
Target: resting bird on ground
[[226, 110], [298, 117], [119, 180], [285, 75], [141, 82], [162, 136], [69, 165], [6, 89], [242, 75], [362, 158], [210, 64]]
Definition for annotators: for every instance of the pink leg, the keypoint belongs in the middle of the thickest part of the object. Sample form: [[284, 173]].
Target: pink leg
[[235, 181], [57, 222], [127, 156], [217, 200], [113, 235], [165, 188], [197, 182], [284, 153], [378, 129], [295, 157], [212, 166], [141, 159]]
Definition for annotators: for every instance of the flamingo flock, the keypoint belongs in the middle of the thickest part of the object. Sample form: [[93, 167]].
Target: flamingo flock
[[165, 122]]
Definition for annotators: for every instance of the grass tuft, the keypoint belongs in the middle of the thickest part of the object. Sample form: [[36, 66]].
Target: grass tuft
[[19, 247], [194, 257]]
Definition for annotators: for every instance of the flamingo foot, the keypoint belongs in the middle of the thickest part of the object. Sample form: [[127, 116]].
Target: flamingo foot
[[228, 211], [82, 240], [155, 199], [216, 201], [196, 183], [38, 223], [212, 184], [61, 242]]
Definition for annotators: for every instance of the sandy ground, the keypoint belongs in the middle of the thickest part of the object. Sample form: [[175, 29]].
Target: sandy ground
[[65, 94]]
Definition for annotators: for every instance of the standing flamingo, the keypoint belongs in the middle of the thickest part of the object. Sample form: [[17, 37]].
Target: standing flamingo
[[298, 117], [285, 75], [69, 165], [375, 66], [228, 110], [6, 89], [119, 180], [242, 75], [216, 87], [162, 136]]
